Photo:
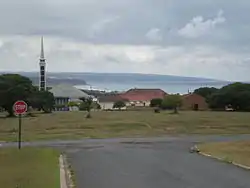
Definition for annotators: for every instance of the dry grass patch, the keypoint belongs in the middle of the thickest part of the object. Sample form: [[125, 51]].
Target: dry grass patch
[[238, 152], [71, 125]]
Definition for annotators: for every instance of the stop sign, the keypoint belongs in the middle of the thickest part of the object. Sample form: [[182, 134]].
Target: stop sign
[[20, 107]]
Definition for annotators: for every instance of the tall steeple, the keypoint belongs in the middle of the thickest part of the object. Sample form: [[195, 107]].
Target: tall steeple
[[42, 50], [42, 64]]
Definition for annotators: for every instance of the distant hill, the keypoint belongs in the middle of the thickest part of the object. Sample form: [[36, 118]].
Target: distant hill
[[53, 78], [57, 81], [75, 78]]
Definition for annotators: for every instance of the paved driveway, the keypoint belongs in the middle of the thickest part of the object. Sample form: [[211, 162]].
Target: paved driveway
[[148, 163]]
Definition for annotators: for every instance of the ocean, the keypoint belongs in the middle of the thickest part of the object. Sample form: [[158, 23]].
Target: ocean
[[181, 88], [169, 84], [126, 81]]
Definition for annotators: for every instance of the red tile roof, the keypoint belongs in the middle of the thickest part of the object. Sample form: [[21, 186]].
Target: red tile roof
[[143, 94]]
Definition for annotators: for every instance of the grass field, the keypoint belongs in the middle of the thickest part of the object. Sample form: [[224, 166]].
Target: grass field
[[238, 152], [72, 125], [29, 168]]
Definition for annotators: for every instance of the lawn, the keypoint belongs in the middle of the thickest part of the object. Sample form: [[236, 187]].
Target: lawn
[[29, 168], [238, 152], [72, 125]]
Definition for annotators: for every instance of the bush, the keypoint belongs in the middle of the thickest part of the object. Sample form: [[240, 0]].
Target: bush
[[156, 102], [60, 106], [157, 110], [72, 104], [172, 102], [119, 104], [83, 106]]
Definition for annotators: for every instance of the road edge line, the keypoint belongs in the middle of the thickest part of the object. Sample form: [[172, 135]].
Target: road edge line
[[223, 160], [65, 174]]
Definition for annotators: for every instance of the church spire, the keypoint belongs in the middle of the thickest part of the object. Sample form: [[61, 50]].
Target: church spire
[[42, 50], [42, 64]]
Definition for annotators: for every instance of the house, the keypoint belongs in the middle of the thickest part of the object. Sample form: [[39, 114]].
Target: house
[[142, 97], [194, 101], [107, 101], [66, 93]]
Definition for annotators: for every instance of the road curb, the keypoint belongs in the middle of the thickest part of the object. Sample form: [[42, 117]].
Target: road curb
[[65, 174], [223, 160]]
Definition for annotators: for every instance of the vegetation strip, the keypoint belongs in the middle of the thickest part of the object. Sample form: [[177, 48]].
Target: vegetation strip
[[236, 153], [29, 168], [73, 125], [223, 160]]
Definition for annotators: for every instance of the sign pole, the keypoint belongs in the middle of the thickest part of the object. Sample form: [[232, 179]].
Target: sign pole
[[20, 108], [19, 131]]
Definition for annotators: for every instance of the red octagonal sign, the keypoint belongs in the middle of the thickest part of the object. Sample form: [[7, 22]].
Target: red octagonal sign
[[20, 107]]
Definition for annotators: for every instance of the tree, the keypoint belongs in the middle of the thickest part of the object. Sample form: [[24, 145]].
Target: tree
[[172, 102], [206, 92], [73, 103], [119, 104], [87, 104], [41, 100], [14, 87], [236, 95], [156, 102], [95, 105]]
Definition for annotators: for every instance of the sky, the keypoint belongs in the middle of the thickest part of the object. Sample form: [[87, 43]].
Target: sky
[[199, 38]]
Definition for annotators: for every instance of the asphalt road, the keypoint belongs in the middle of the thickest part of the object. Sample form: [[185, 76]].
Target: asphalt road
[[148, 163], [151, 164]]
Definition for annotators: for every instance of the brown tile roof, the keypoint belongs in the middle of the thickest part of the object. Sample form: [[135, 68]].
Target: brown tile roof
[[143, 94]]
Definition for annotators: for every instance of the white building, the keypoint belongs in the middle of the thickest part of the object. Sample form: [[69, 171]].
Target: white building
[[107, 101], [66, 93]]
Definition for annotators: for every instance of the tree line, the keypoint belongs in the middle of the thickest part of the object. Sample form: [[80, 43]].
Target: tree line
[[235, 95], [14, 87]]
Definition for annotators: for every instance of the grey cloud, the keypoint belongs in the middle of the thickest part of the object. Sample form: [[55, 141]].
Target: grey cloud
[[75, 19], [154, 35], [199, 27], [113, 36], [110, 58]]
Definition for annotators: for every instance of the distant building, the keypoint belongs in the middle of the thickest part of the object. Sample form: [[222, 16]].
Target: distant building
[[66, 93], [107, 101], [194, 101], [142, 97]]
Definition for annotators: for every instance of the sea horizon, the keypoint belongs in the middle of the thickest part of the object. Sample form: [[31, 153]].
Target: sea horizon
[[168, 87], [124, 81]]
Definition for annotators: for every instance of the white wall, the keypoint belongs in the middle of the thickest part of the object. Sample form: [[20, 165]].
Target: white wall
[[106, 105], [109, 106], [74, 108]]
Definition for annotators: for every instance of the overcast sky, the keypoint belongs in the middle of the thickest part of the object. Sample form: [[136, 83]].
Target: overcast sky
[[204, 38]]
